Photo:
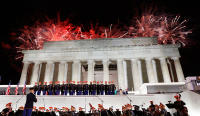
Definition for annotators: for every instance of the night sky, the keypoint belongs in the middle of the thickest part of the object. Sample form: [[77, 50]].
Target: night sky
[[14, 15]]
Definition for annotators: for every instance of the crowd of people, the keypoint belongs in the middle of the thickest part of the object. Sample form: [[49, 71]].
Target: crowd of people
[[127, 110], [83, 88]]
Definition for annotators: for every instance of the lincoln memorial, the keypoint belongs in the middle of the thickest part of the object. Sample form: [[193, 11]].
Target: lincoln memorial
[[127, 62]]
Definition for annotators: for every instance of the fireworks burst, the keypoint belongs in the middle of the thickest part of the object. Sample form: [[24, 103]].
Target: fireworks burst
[[167, 30]]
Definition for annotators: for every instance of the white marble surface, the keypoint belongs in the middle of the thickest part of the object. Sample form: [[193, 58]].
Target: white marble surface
[[99, 49]]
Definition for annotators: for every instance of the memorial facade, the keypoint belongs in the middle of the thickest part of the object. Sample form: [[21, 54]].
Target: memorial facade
[[137, 61]]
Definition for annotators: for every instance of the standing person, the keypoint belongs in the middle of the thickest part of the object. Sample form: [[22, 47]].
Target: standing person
[[50, 88], [85, 88], [30, 98], [90, 88], [8, 110], [179, 105], [106, 88]]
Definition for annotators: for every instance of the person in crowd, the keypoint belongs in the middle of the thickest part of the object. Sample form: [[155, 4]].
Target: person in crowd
[[35, 88], [19, 112], [120, 92], [62, 88], [30, 98], [90, 88], [94, 88], [78, 88], [117, 112], [45, 89], [8, 110], [111, 112], [128, 110], [98, 88], [50, 88], [179, 105], [109, 88], [102, 88], [136, 110], [113, 88], [85, 88], [163, 111], [157, 111], [81, 112], [65, 88], [57, 88], [40, 88], [152, 107], [106, 88], [34, 111]]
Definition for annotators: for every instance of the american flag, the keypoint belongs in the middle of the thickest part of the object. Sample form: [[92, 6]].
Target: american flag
[[16, 89], [8, 90], [24, 89]]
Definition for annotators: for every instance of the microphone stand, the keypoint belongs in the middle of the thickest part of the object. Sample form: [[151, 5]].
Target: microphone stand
[[100, 99], [128, 98], [18, 100], [43, 101]]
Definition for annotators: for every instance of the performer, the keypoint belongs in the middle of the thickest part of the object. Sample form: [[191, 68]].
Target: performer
[[62, 88], [109, 88], [179, 105], [45, 88], [72, 88], [102, 88], [57, 88], [152, 106], [94, 88], [8, 110], [106, 88], [35, 88], [117, 112], [81, 112], [66, 88], [50, 88], [113, 88], [78, 89], [19, 112], [85, 88], [39, 89], [30, 98], [90, 88], [98, 88]]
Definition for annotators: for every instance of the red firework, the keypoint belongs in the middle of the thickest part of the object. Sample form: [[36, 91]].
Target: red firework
[[167, 30]]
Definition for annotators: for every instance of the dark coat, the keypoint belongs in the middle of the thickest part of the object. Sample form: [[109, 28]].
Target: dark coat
[[30, 98]]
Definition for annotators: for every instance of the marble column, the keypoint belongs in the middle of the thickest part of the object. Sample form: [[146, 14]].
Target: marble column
[[24, 73], [137, 80], [62, 71], [140, 70], [105, 70], [76, 71], [165, 70], [120, 72], [49, 71], [150, 72], [125, 74], [35, 73], [170, 70], [91, 65], [154, 69], [179, 70]]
